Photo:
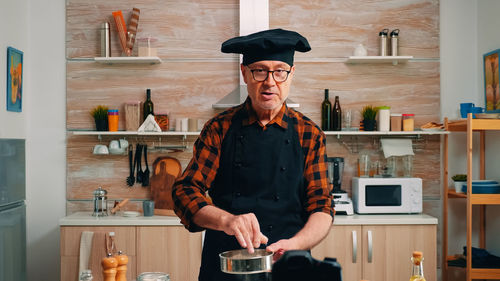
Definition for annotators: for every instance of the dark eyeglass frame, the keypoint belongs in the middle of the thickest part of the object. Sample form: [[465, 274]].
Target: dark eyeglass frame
[[267, 75]]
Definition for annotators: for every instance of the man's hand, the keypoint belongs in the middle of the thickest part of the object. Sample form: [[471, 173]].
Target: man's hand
[[280, 247], [246, 229]]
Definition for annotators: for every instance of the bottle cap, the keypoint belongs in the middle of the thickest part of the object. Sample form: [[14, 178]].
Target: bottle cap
[[417, 254], [384, 107], [408, 114]]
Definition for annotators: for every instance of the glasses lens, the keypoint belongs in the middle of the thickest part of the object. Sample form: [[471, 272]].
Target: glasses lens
[[280, 75], [260, 75]]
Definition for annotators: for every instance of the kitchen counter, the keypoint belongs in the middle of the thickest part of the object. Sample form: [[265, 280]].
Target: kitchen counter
[[86, 218]]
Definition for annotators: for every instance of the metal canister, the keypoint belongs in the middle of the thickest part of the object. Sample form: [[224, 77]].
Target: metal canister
[[384, 42], [395, 42], [105, 40], [100, 203]]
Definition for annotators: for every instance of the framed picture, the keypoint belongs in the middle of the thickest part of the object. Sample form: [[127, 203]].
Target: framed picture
[[14, 79], [491, 75]]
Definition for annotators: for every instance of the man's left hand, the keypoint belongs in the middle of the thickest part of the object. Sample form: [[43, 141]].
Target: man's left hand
[[280, 247]]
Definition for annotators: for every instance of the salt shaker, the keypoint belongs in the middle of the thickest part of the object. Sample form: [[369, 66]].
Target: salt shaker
[[384, 43], [394, 42]]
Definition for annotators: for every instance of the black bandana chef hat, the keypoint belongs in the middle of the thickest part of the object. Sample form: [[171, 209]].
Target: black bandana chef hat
[[274, 44]]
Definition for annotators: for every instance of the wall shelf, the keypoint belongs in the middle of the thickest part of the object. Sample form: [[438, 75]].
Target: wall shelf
[[378, 59], [130, 60], [390, 133]]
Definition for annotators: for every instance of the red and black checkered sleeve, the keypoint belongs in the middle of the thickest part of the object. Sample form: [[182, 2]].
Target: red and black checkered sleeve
[[189, 191], [319, 198]]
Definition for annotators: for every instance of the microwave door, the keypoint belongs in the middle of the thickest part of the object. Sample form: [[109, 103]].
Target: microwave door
[[383, 198]]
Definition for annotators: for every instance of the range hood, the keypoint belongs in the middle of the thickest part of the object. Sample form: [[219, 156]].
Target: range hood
[[254, 17]]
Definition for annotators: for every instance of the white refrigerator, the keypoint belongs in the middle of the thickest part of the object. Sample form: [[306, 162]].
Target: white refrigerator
[[12, 210]]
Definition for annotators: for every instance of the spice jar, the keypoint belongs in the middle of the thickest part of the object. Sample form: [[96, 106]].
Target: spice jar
[[384, 121], [113, 118], [408, 122], [396, 119]]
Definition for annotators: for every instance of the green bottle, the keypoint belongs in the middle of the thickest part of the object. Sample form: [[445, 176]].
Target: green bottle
[[148, 105], [326, 113]]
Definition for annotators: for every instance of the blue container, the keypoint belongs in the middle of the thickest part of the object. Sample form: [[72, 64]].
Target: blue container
[[464, 109]]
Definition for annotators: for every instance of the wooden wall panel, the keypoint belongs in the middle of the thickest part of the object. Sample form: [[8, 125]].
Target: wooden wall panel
[[335, 28], [193, 28]]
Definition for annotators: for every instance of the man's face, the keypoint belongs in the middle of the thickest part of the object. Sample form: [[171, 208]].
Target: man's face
[[267, 95]]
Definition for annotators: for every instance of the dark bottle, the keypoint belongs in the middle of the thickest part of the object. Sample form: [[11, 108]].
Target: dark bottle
[[326, 113], [148, 105], [336, 115]]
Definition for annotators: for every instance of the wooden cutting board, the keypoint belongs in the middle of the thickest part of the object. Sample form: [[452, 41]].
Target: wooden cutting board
[[165, 171]]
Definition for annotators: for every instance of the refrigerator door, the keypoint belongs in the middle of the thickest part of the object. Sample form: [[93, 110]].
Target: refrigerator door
[[13, 243], [12, 171]]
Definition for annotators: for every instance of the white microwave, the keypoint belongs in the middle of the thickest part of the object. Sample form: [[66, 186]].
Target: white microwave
[[387, 195]]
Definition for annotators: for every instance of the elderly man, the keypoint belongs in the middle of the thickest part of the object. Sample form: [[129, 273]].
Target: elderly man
[[262, 163]]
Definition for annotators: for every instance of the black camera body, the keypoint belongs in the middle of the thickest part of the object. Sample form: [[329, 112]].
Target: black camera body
[[300, 265]]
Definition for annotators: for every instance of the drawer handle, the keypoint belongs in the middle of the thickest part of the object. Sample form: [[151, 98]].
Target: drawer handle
[[354, 247], [370, 246]]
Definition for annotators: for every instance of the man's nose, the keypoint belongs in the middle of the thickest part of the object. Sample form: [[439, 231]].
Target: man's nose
[[270, 79]]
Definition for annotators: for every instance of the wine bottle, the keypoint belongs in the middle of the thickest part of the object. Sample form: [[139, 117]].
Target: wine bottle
[[336, 115], [326, 113], [148, 105]]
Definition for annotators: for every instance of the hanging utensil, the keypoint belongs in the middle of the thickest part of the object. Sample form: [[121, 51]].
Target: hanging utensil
[[145, 174], [138, 156], [130, 178]]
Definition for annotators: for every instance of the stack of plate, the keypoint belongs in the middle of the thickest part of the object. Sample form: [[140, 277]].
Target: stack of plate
[[483, 186], [487, 115]]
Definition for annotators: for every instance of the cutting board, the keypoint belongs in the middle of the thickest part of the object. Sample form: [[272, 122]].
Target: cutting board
[[165, 171]]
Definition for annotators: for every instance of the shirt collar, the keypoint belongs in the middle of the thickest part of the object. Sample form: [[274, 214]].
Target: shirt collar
[[251, 117]]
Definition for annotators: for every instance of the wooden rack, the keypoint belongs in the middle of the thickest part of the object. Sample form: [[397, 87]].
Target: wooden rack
[[469, 126]]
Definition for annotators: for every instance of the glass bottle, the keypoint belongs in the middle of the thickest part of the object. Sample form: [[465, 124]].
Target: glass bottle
[[326, 111], [417, 271], [336, 115], [86, 275], [148, 105]]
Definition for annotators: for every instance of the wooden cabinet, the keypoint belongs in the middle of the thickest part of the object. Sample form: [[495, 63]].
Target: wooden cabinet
[[469, 126], [379, 252], [169, 249]]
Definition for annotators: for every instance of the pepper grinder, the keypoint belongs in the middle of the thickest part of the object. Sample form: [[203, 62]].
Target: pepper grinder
[[109, 264], [121, 269], [100, 203]]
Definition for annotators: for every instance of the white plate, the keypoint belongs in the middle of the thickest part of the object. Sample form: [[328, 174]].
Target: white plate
[[432, 129], [131, 214]]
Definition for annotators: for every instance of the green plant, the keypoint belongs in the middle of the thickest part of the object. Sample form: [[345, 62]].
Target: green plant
[[100, 112], [459, 177], [369, 112]]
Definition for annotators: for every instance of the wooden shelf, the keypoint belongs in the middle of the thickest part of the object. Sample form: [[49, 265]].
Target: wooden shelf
[[390, 133], [378, 59], [130, 60], [477, 125], [485, 199], [453, 194], [485, 273]]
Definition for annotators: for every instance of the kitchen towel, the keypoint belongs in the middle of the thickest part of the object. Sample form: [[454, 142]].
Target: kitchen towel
[[396, 147], [85, 248]]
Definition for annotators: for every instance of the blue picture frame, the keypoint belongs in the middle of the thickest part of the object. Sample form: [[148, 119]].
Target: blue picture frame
[[14, 80], [491, 81]]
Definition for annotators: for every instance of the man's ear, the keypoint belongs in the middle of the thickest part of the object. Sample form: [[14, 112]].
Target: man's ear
[[244, 72]]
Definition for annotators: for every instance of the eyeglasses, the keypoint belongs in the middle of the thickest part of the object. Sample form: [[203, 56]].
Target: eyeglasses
[[279, 75]]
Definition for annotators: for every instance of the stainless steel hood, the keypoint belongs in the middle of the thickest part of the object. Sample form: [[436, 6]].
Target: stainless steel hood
[[254, 17], [238, 96]]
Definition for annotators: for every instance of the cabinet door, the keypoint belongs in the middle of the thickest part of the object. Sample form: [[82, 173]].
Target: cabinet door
[[169, 249], [344, 243], [387, 250], [70, 249]]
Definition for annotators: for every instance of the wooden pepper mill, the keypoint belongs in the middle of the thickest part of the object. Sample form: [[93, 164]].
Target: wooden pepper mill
[[109, 265], [121, 269]]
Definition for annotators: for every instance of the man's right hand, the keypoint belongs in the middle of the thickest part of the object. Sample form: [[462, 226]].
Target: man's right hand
[[246, 229]]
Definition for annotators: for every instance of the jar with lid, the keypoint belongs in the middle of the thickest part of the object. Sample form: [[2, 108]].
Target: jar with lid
[[113, 118], [86, 275], [396, 119], [384, 120], [408, 122]]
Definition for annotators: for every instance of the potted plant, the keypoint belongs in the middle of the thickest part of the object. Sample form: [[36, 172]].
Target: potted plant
[[100, 114], [459, 180], [369, 113]]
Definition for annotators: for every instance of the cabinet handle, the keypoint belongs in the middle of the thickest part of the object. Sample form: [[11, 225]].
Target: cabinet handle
[[370, 246], [354, 247]]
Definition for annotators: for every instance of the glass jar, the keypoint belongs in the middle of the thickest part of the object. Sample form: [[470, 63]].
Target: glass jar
[[153, 276], [408, 122], [86, 275], [396, 119], [384, 120]]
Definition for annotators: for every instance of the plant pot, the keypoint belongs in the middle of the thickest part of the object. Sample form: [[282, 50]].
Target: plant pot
[[101, 124], [458, 186], [369, 124]]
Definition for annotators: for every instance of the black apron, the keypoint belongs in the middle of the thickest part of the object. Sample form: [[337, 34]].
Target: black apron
[[260, 171]]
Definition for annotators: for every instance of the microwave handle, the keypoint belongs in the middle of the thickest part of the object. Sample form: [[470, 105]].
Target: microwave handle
[[354, 246], [370, 246]]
